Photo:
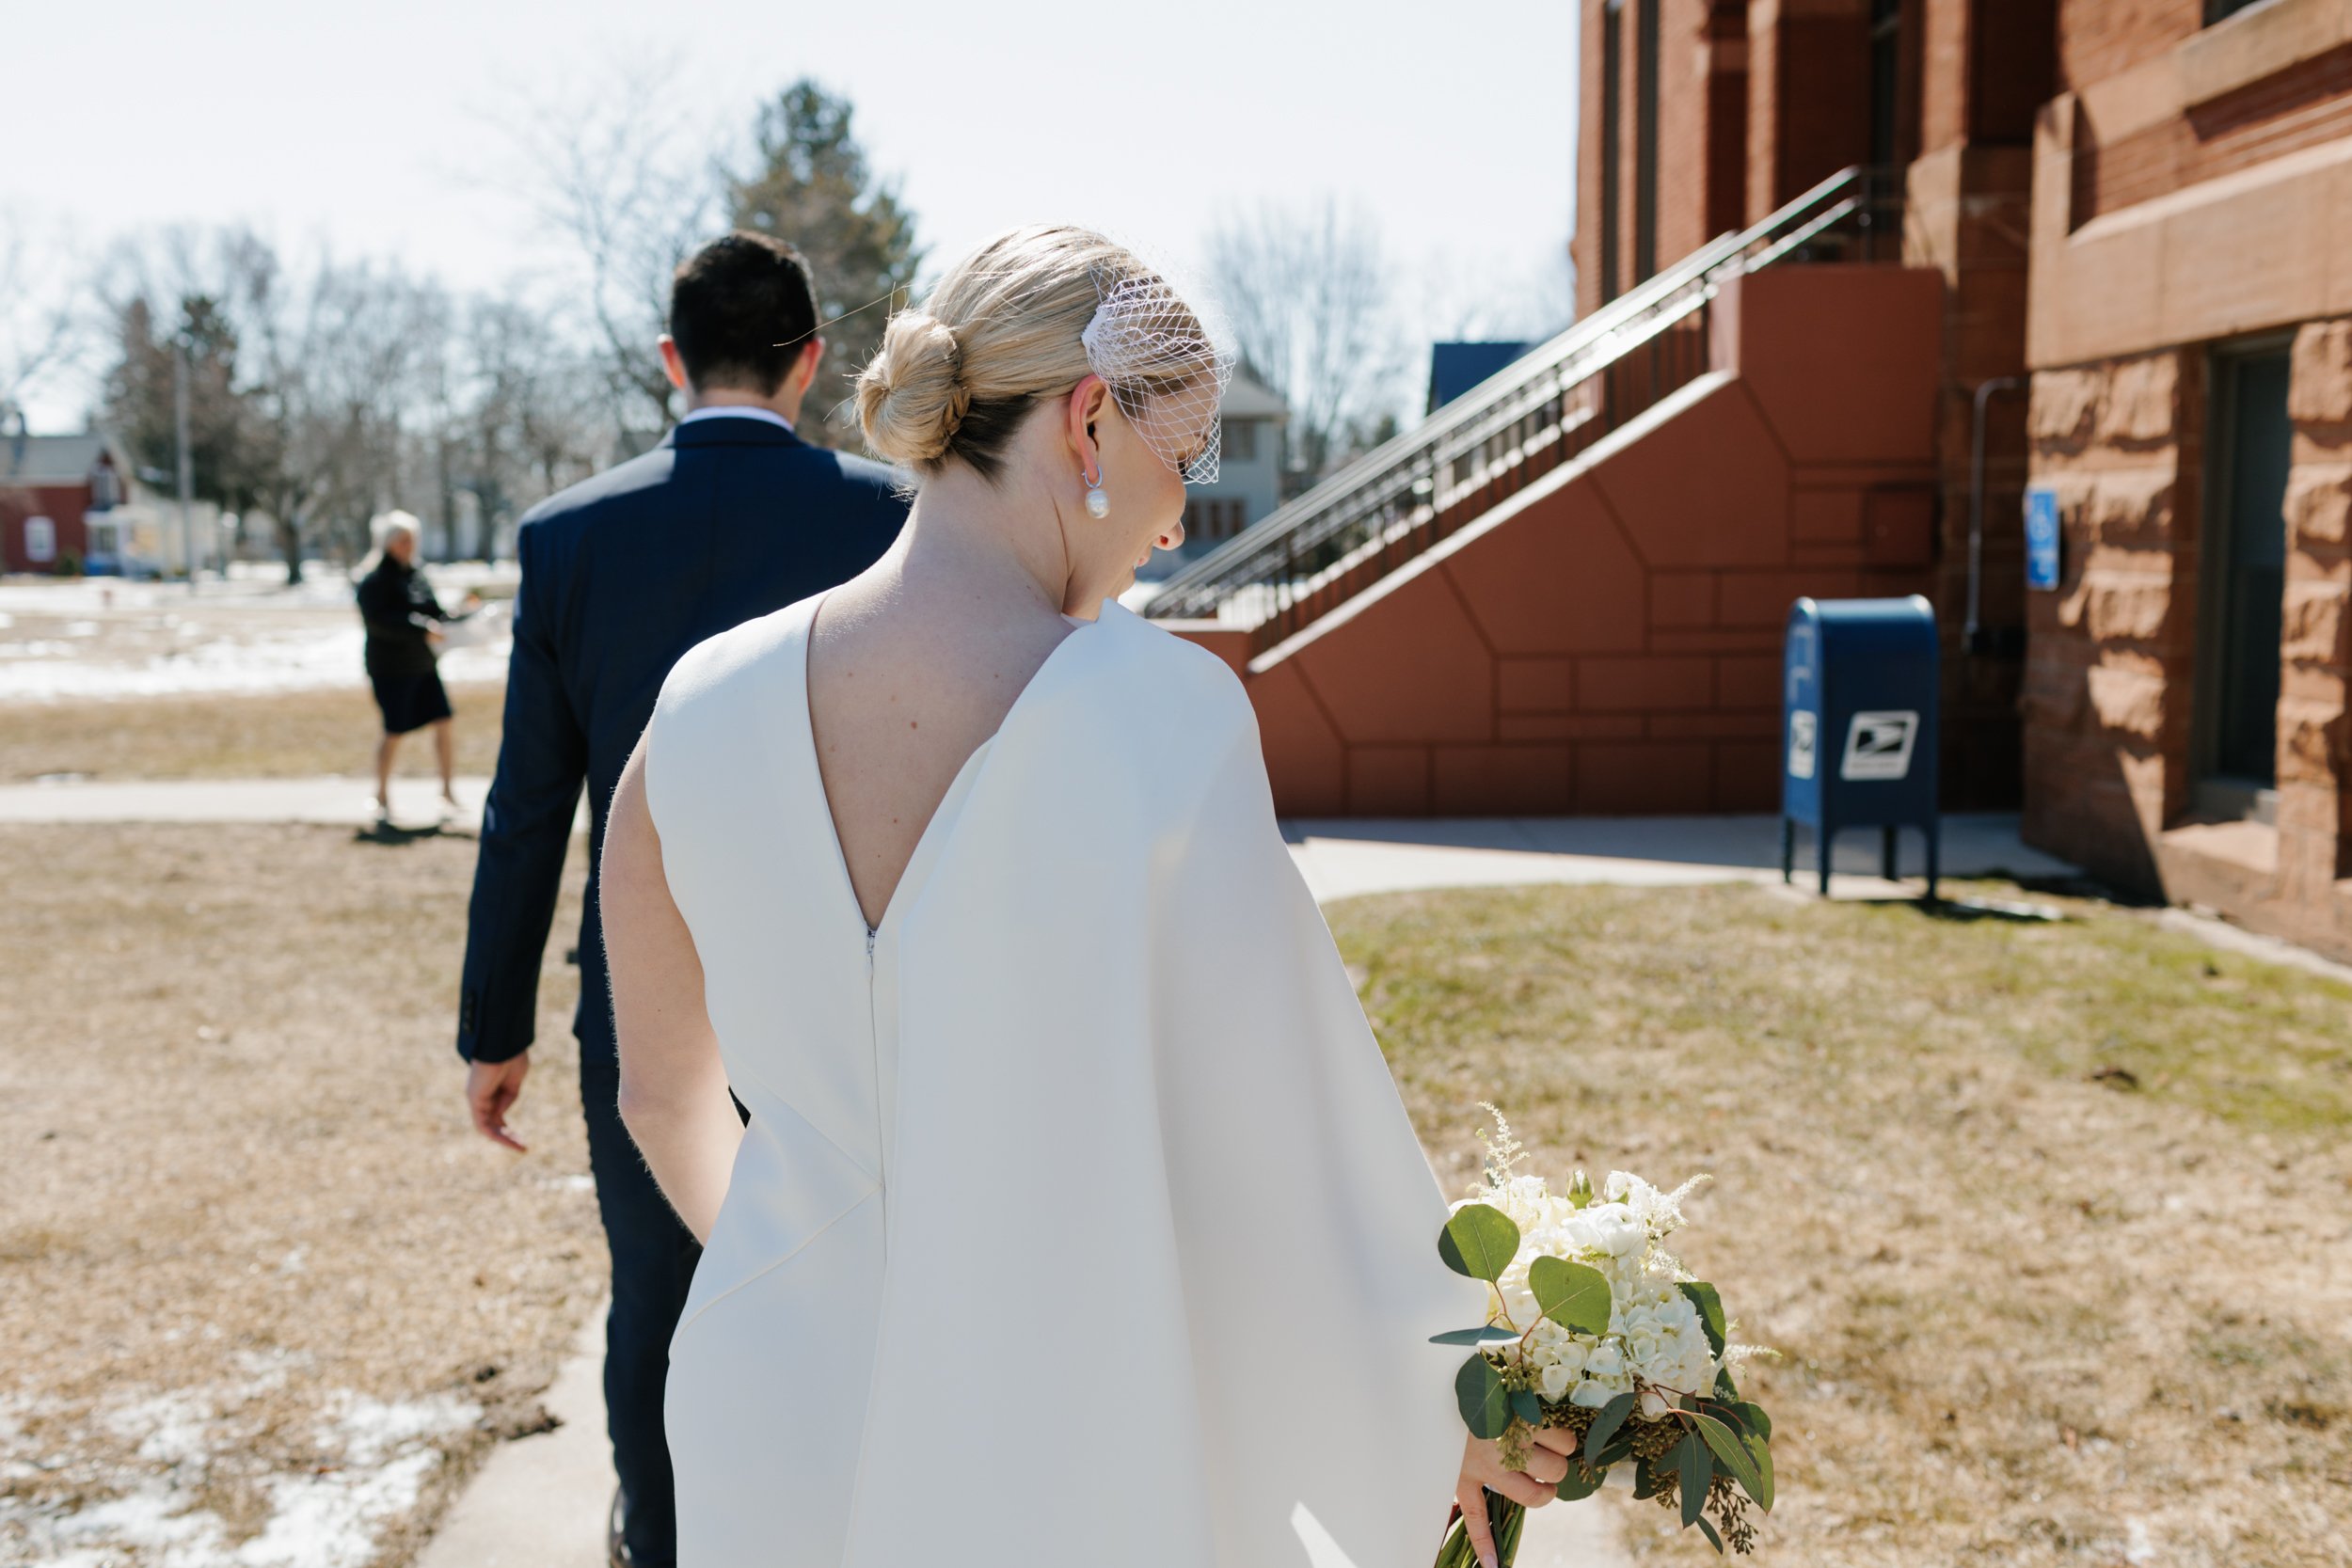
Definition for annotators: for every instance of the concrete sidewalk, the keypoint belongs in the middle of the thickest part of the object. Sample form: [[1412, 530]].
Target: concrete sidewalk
[[1340, 859], [1344, 858], [332, 801]]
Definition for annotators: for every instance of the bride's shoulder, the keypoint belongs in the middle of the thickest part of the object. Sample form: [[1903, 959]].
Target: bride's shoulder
[[738, 662], [1142, 676]]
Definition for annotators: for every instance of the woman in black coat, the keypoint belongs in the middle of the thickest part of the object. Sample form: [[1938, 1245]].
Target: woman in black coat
[[404, 622]]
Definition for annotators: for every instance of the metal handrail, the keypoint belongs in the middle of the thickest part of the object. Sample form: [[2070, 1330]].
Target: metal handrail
[[1390, 504]]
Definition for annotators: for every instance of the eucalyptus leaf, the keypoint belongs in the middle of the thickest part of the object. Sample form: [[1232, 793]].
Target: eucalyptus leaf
[[1485, 1403], [1493, 1334], [1724, 1387], [1751, 1416], [1707, 1525], [1697, 1469], [1570, 1294], [1710, 1305], [1605, 1426], [1479, 1240], [1527, 1407], [1644, 1481], [1759, 1452], [1732, 1454], [1580, 1482]]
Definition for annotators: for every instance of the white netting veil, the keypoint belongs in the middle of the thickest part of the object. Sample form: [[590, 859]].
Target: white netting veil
[[1160, 360]]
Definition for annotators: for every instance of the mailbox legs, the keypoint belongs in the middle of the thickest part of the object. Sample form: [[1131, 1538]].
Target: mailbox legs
[[1788, 848], [1886, 851], [1936, 837]]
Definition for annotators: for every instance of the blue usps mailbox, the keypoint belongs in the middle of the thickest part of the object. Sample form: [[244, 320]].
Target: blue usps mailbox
[[1858, 727]]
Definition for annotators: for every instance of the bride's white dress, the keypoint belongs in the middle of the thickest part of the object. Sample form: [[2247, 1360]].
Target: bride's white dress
[[1078, 1221]]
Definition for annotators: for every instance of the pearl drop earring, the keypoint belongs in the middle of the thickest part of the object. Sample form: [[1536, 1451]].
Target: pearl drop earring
[[1098, 504]]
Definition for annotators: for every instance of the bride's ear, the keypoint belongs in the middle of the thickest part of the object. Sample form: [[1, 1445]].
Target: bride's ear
[[1088, 400]]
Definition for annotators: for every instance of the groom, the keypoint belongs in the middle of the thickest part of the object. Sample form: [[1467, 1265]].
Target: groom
[[730, 518]]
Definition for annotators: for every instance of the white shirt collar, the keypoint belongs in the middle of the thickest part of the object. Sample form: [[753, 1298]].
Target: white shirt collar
[[737, 411]]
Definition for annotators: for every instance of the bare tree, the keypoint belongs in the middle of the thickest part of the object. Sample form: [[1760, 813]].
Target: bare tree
[[44, 328], [626, 181], [1306, 293]]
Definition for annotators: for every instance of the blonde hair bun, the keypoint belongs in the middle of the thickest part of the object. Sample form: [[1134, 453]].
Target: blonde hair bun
[[912, 396]]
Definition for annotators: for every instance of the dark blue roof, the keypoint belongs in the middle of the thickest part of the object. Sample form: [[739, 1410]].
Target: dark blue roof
[[1455, 367]]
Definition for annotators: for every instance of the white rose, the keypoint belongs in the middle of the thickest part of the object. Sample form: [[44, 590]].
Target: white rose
[[1619, 1233]]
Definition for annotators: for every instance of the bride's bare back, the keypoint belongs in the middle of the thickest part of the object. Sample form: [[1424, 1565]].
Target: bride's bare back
[[906, 680]]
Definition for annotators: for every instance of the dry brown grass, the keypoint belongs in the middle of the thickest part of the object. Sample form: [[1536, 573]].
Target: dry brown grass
[[241, 1190], [281, 735], [2029, 1317]]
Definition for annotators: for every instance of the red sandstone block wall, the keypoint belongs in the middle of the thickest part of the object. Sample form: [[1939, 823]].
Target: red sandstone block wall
[[2101, 39], [1702, 100], [1608, 642]]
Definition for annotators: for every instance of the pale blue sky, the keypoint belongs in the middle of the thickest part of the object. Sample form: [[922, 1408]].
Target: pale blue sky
[[366, 126]]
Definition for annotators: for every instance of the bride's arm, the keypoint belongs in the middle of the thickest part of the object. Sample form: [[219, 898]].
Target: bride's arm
[[674, 1086]]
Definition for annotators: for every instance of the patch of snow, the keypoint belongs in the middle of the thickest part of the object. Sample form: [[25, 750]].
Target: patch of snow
[[2138, 1548], [330, 1521], [330, 1518], [169, 1429], [302, 662], [369, 1430]]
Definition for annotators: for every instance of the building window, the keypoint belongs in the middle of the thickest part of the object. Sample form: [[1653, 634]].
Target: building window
[[2246, 550], [40, 541], [1612, 143], [1240, 440], [1645, 140], [1887, 65]]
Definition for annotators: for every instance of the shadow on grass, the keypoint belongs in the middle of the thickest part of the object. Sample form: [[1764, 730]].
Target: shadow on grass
[[390, 835]]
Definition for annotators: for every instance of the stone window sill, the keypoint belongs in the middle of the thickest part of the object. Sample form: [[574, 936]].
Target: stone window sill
[[2259, 44]]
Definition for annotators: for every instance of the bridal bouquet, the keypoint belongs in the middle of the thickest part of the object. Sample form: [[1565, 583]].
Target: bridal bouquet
[[1592, 1326]]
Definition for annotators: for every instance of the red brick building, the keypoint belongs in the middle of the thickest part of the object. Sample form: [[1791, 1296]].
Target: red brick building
[[2141, 211], [2191, 332], [2097, 248], [52, 488]]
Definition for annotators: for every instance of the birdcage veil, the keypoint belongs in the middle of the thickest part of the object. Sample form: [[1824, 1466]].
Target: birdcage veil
[[1160, 354]]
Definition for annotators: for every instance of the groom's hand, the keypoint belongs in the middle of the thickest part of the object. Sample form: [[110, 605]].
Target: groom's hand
[[491, 1090]]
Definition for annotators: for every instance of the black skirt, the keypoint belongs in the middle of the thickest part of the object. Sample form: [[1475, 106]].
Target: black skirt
[[410, 701]]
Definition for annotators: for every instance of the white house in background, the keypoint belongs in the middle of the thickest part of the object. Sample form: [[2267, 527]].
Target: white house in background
[[1249, 477]]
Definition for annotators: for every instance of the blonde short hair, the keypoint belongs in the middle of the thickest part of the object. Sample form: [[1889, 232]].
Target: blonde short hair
[[384, 526], [956, 376]]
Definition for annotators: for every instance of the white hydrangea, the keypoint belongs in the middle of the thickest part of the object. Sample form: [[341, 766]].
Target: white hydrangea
[[1655, 1341]]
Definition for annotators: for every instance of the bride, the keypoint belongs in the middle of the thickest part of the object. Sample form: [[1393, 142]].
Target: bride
[[1076, 1220]]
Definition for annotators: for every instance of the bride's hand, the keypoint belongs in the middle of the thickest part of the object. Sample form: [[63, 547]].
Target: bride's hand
[[1482, 1470]]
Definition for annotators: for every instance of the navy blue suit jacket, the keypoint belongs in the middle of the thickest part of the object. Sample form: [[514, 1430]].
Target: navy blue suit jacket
[[728, 519]]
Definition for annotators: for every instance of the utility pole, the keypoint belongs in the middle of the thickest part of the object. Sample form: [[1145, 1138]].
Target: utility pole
[[187, 462]]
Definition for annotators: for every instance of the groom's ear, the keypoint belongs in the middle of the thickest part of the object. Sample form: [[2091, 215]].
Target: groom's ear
[[811, 355], [672, 365]]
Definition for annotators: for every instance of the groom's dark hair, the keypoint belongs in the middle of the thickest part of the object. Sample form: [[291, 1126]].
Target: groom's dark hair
[[733, 303]]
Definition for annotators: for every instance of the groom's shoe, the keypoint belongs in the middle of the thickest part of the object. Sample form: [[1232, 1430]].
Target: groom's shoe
[[615, 1546]]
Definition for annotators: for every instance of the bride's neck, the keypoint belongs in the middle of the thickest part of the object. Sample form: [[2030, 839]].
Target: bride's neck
[[1000, 546]]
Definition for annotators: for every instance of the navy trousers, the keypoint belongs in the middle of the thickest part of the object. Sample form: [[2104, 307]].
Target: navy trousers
[[653, 1265]]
